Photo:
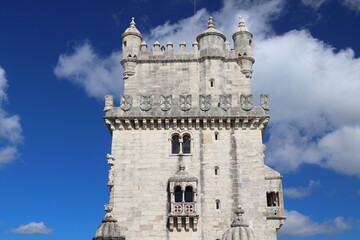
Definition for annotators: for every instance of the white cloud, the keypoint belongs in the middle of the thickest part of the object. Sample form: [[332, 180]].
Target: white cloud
[[314, 94], [352, 4], [299, 225], [32, 228], [98, 75], [300, 192], [10, 128], [314, 4]]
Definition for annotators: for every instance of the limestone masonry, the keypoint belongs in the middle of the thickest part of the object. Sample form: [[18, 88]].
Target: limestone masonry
[[187, 158]]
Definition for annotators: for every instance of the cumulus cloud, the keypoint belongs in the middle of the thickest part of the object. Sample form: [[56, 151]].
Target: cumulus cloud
[[300, 192], [98, 75], [10, 128], [314, 91], [32, 228], [299, 225]]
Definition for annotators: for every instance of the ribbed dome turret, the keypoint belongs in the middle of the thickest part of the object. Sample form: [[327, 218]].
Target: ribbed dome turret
[[132, 30], [109, 229], [211, 37], [239, 229]]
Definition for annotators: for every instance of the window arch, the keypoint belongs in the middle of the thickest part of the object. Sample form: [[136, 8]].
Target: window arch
[[180, 143], [178, 194], [186, 145], [189, 194], [175, 144]]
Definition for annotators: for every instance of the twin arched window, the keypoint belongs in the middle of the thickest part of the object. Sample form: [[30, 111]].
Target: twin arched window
[[187, 196], [180, 144]]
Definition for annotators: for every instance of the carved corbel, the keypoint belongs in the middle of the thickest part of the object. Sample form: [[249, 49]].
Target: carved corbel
[[228, 123], [110, 124], [110, 159], [144, 124], [119, 124], [152, 124], [159, 124], [182, 124], [244, 123], [204, 123], [136, 124], [179, 223], [187, 223], [220, 123], [195, 223], [212, 124], [197, 124], [175, 124], [167, 124], [128, 123], [253, 123], [236, 124], [189, 123], [171, 223], [263, 123]]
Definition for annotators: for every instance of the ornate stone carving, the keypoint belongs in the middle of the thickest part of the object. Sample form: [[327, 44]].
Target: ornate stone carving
[[111, 177], [205, 102], [110, 159], [264, 101], [165, 102], [109, 102], [146, 102], [126, 102], [246, 102], [185, 102], [225, 101]]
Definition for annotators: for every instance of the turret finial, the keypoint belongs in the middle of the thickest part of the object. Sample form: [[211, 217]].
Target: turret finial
[[238, 221], [211, 22], [241, 21], [132, 23]]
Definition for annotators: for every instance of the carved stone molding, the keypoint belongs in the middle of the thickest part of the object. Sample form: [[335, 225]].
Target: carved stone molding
[[225, 102], [264, 101], [165, 102], [146, 102], [205, 102], [126, 102], [185, 102], [246, 102]]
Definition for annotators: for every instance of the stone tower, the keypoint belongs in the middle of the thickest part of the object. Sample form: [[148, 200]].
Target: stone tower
[[187, 148]]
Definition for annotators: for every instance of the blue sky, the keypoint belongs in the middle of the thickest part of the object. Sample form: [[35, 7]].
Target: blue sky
[[59, 58]]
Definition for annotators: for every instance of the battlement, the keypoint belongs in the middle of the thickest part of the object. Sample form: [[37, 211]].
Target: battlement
[[159, 52]]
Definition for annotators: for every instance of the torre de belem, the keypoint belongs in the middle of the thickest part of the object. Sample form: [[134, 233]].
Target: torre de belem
[[187, 154]]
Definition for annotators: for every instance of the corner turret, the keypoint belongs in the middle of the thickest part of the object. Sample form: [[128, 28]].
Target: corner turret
[[211, 41], [243, 48], [131, 42]]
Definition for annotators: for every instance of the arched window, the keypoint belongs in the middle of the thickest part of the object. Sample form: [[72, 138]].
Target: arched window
[[186, 144], [175, 144], [178, 194], [217, 204], [216, 168], [189, 195]]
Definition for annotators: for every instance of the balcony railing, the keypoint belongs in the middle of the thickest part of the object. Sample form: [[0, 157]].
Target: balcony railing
[[182, 208]]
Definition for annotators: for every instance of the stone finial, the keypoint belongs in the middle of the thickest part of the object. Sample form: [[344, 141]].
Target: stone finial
[[238, 221], [132, 23], [241, 21], [211, 22]]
